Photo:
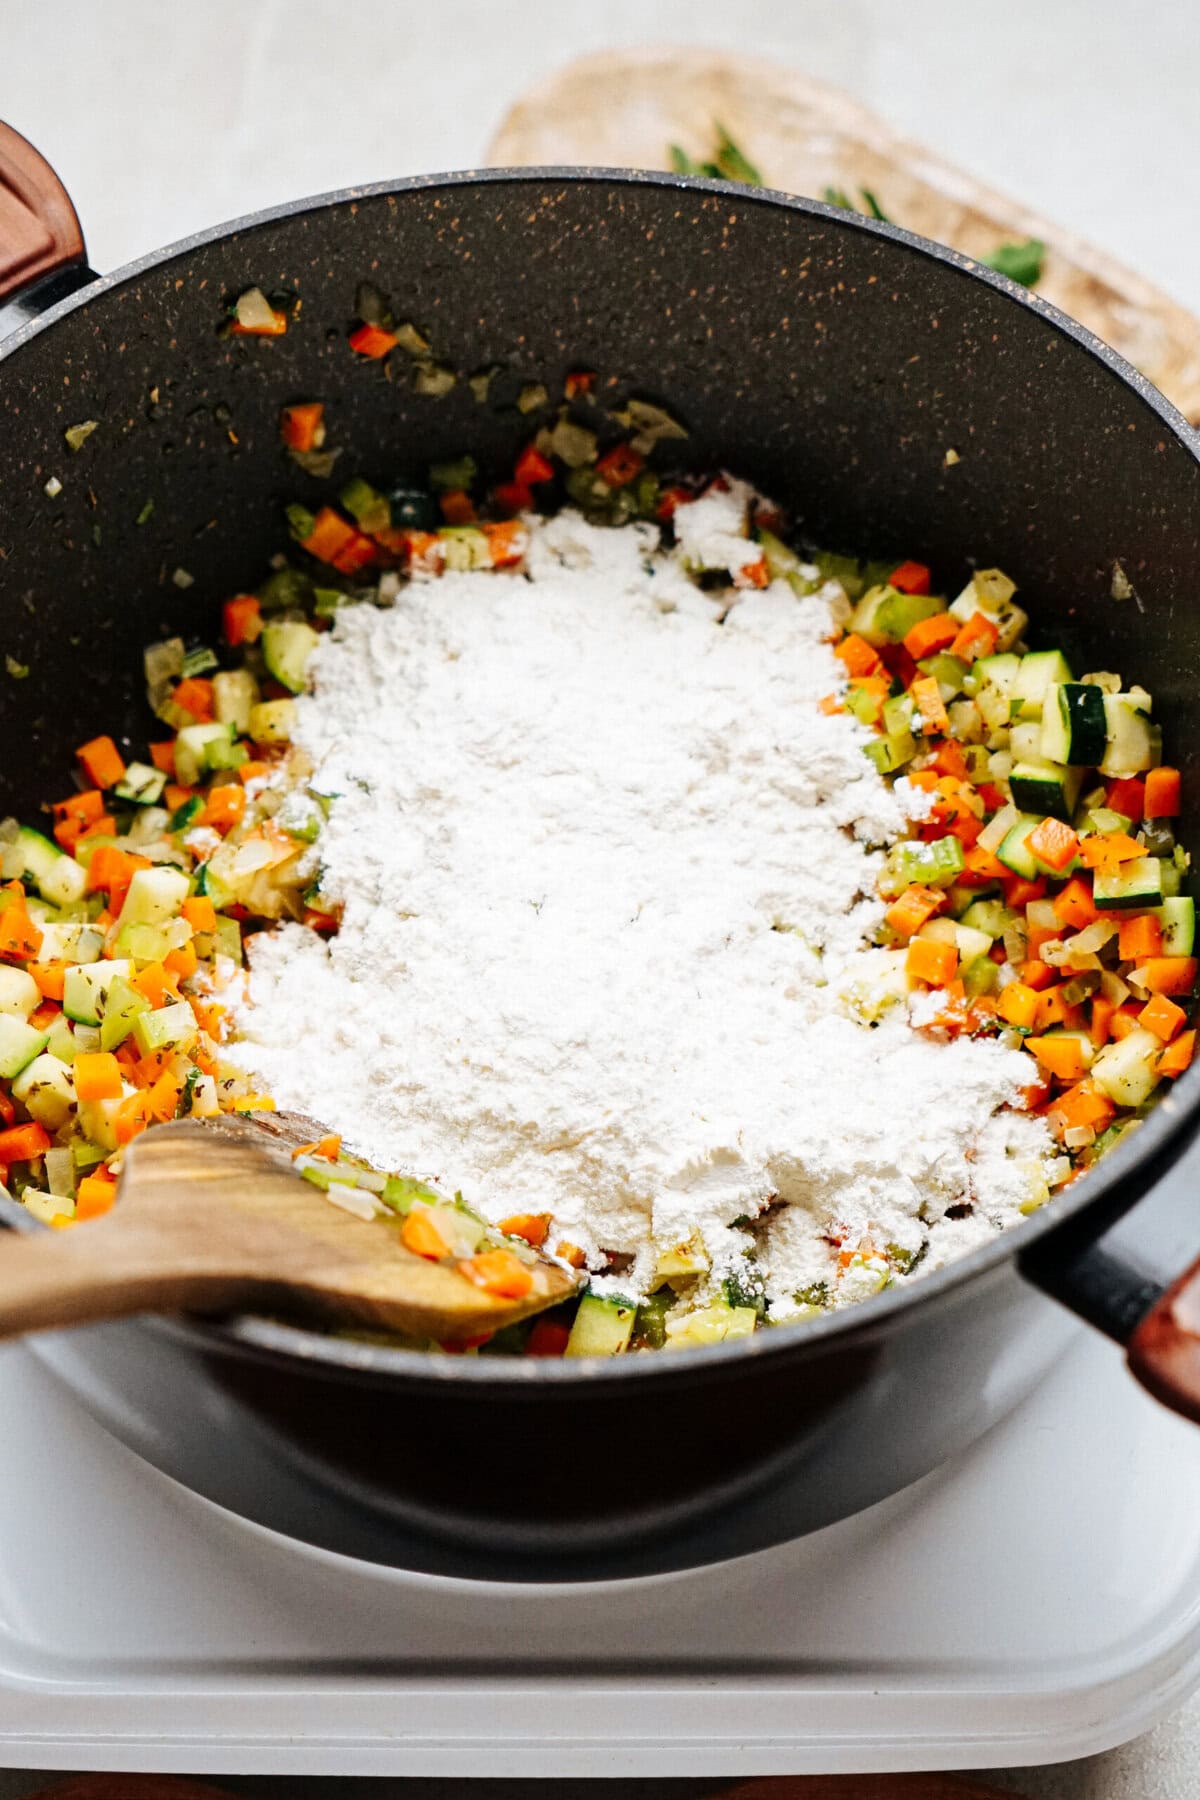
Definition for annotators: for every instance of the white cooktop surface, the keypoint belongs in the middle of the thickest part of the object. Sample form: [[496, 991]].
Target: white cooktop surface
[[166, 119]]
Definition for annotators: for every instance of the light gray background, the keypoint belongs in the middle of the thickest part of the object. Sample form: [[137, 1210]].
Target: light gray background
[[164, 118]]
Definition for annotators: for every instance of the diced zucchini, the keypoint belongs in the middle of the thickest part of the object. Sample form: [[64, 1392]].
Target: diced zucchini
[[1073, 723], [711, 1324], [886, 616], [20, 1042], [1134, 885], [1134, 742], [1036, 672], [891, 752], [190, 750], [287, 645], [272, 721], [58, 878], [948, 671], [1125, 1070], [990, 592], [85, 989], [898, 712], [933, 865], [168, 1028], [1015, 853], [155, 895], [980, 976], [1046, 788], [1178, 918], [122, 1006], [688, 1258], [48, 1207], [603, 1326], [19, 992], [235, 695], [46, 1090], [991, 916], [142, 784]]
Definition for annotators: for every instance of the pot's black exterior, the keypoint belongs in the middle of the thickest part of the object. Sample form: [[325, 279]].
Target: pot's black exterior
[[897, 402]]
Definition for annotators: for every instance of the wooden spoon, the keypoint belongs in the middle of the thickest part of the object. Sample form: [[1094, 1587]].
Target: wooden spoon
[[214, 1218]]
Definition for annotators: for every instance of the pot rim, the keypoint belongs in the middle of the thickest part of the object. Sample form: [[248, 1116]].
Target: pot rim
[[1160, 1138]]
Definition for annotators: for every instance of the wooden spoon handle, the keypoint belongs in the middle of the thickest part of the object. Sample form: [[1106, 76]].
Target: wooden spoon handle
[[114, 1268]]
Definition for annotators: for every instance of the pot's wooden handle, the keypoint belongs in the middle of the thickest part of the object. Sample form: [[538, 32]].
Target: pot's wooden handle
[[39, 230], [1164, 1351]]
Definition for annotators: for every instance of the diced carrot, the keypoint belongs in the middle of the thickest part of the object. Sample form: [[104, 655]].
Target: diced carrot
[[275, 326], [1018, 892], [457, 506], [981, 868], [857, 655], [302, 427], [196, 695], [977, 638], [753, 574], [1162, 793], [506, 541], [154, 984], [329, 535], [619, 466], [1062, 1056], [330, 1146], [44, 1015], [20, 938], [1127, 797], [94, 1196], [200, 912], [1054, 844], [50, 977], [530, 1226], [112, 867], [1106, 850], [498, 1272], [162, 755], [951, 761], [830, 705], [131, 1118], [930, 961], [1054, 1010], [162, 1099], [570, 1253], [1167, 974], [104, 826], [1124, 1020], [1036, 974], [419, 1233], [1074, 905], [101, 762], [1101, 1022], [1178, 1056], [251, 770], [532, 467], [548, 1338], [1018, 1004], [1084, 1104], [241, 620], [1139, 937], [915, 905], [182, 961], [372, 340], [23, 1143], [79, 809], [928, 696], [224, 807], [930, 635], [176, 795], [246, 1103], [1162, 1017], [579, 381], [1038, 936], [910, 578], [951, 1014], [358, 554], [97, 1077]]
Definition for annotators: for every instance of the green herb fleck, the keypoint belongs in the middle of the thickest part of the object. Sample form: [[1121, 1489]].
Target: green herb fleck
[[1020, 262]]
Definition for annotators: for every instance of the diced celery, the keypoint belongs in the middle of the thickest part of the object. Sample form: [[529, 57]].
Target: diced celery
[[169, 1028], [891, 752], [933, 865]]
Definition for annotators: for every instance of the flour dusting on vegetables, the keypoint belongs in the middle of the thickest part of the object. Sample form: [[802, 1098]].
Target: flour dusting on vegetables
[[752, 931]]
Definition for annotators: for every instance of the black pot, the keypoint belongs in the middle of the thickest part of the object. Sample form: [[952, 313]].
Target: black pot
[[837, 362]]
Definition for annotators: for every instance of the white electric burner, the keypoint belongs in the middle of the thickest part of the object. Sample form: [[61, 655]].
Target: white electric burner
[[1039, 1598]]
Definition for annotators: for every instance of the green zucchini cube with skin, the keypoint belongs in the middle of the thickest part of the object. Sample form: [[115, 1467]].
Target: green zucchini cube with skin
[[155, 895], [603, 1326], [85, 987], [1177, 916], [1074, 728], [1046, 788], [1126, 1070], [1135, 885], [287, 645], [142, 784], [19, 992], [46, 1089], [20, 1042]]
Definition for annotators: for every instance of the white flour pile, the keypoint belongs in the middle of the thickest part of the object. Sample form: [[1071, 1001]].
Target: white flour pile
[[574, 813]]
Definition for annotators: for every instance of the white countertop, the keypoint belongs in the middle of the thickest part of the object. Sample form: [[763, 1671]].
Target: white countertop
[[163, 119]]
